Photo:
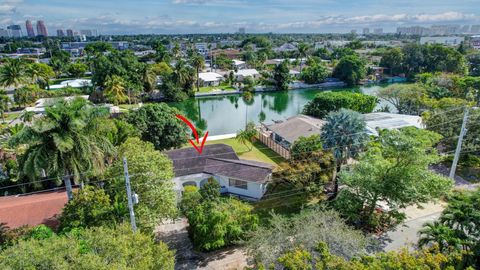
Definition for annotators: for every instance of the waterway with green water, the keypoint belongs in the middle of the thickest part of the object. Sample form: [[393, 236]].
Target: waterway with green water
[[227, 114]]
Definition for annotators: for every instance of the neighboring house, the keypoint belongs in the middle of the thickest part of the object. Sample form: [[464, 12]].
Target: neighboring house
[[32, 210], [210, 78], [241, 74], [78, 83], [238, 64], [286, 47], [243, 178], [42, 103], [294, 74], [281, 135]]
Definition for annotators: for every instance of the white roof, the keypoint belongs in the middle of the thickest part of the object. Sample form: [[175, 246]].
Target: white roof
[[247, 72], [238, 62], [41, 103], [72, 83], [210, 76], [294, 72], [390, 121]]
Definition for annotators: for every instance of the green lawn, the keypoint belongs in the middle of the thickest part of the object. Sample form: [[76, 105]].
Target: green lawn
[[224, 86], [259, 151]]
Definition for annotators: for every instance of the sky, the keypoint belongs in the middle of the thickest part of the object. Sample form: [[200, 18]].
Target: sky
[[226, 16]]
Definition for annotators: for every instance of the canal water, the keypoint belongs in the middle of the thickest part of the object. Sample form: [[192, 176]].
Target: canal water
[[227, 114]]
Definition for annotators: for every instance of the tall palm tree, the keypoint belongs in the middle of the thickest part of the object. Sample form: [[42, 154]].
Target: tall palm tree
[[176, 51], [344, 134], [182, 74], [40, 74], [303, 50], [12, 73], [198, 62], [115, 89], [27, 116], [149, 78], [69, 140]]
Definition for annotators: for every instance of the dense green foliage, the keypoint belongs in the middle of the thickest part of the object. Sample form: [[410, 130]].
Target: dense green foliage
[[305, 230], [159, 125], [314, 74], [96, 248], [90, 207], [458, 227], [350, 69], [150, 174], [326, 102], [281, 76], [394, 171], [216, 222]]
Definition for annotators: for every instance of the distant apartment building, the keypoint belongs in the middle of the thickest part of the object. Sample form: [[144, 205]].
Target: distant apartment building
[[29, 27], [42, 29], [413, 30], [475, 42], [204, 48], [465, 29], [378, 31], [69, 33], [31, 51], [4, 33], [230, 43], [444, 29], [60, 33], [448, 41], [353, 31], [366, 31], [242, 30], [15, 31], [89, 32]]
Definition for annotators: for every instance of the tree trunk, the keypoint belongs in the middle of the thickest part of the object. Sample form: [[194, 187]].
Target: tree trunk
[[198, 80], [68, 186]]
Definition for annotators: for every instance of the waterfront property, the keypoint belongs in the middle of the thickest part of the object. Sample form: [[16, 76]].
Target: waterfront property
[[242, 178], [281, 135], [241, 74], [210, 78]]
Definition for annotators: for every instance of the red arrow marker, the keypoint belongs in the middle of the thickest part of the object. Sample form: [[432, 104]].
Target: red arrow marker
[[195, 133]]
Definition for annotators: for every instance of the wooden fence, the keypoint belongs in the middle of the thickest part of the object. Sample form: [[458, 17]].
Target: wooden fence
[[266, 140]]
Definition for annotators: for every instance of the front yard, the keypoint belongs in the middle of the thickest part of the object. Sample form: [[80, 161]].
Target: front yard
[[222, 86]]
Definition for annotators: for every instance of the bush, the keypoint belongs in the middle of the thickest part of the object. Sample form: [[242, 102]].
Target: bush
[[326, 102], [90, 207], [314, 74], [220, 223], [98, 248]]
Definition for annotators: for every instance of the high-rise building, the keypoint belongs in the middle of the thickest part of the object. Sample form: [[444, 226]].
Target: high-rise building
[[42, 29], [15, 30], [4, 33], [241, 30], [60, 33], [69, 33], [413, 30], [366, 31], [378, 31], [353, 31], [29, 27], [475, 29]]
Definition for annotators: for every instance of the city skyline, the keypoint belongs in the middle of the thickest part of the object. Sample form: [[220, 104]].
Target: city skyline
[[216, 16]]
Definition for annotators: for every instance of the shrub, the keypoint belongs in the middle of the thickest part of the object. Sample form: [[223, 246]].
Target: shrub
[[326, 102]]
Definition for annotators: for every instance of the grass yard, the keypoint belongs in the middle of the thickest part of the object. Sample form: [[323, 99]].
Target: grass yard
[[259, 151], [223, 86]]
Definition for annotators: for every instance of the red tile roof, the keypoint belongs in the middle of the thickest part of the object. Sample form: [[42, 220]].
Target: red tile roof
[[32, 210]]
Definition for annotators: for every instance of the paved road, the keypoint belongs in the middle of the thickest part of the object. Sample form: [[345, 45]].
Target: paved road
[[406, 235]]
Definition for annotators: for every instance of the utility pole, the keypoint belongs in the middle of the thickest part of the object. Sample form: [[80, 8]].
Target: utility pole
[[463, 131], [129, 195]]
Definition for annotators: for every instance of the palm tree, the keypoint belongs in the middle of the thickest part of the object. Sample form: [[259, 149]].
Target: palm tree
[[344, 134], [437, 233], [27, 116], [247, 135], [303, 50], [149, 79], [115, 89], [198, 62], [4, 103], [182, 75], [40, 74], [69, 140], [12, 73], [176, 51]]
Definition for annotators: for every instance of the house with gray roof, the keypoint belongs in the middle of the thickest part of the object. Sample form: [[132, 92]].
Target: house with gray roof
[[243, 178]]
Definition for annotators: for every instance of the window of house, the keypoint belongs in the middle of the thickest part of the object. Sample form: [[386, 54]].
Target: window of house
[[237, 183]]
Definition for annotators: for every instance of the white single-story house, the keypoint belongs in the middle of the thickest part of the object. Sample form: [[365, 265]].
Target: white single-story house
[[77, 83], [243, 178], [241, 74], [210, 78], [238, 64], [42, 103]]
